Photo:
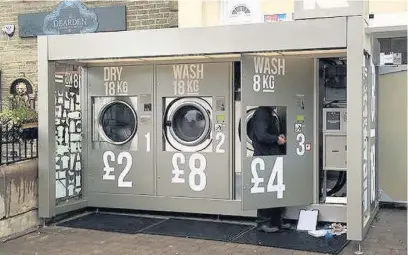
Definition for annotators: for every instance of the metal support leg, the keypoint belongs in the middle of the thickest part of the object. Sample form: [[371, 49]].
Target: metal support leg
[[43, 223], [360, 250], [324, 186]]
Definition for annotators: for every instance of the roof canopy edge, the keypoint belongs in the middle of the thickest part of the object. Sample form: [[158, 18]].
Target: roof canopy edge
[[329, 33]]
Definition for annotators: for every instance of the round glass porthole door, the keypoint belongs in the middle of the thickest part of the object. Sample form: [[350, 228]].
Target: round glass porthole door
[[118, 122], [189, 123], [249, 121]]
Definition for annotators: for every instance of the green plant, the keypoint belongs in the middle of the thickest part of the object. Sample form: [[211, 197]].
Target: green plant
[[18, 116]]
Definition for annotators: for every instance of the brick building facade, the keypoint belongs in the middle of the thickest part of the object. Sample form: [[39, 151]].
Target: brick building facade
[[18, 56]]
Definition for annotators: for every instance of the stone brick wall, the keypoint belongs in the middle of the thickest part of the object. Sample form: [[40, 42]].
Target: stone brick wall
[[18, 197], [18, 56]]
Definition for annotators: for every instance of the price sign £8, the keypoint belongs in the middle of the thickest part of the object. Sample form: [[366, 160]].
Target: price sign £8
[[197, 163], [258, 164]]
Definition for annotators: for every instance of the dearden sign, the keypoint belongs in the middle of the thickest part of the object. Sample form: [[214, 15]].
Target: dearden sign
[[73, 17]]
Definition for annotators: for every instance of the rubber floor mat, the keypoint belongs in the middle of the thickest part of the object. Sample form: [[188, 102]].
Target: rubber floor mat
[[294, 240], [208, 230], [111, 223]]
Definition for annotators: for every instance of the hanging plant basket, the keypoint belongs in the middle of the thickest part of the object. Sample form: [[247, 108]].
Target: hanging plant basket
[[22, 120]]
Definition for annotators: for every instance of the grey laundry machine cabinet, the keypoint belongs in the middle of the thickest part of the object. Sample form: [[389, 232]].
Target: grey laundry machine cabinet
[[194, 130], [282, 176], [120, 151]]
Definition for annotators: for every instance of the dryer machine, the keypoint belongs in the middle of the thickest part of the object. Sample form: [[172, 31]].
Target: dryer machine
[[193, 157], [120, 159]]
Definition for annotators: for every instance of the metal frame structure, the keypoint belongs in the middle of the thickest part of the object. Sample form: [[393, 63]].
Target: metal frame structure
[[309, 38]]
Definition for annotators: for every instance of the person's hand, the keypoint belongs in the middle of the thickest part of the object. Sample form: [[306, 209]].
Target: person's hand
[[281, 140]]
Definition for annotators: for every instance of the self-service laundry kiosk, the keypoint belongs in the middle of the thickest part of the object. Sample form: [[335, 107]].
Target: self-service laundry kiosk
[[171, 127]]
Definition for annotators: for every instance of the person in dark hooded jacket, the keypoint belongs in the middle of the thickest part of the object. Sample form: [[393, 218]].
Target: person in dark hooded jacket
[[268, 140]]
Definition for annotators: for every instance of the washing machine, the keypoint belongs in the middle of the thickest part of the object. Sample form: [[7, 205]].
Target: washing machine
[[188, 124], [248, 139], [194, 149], [120, 116]]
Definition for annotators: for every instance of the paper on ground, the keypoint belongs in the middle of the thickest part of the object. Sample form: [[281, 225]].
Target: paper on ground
[[307, 220]]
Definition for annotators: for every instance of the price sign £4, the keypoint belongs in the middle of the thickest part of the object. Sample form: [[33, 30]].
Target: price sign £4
[[258, 164]]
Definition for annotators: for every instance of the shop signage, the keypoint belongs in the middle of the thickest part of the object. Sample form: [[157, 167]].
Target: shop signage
[[314, 9], [324, 4], [275, 17], [73, 17]]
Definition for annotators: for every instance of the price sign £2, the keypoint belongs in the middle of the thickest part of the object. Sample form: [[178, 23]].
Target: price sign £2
[[123, 157]]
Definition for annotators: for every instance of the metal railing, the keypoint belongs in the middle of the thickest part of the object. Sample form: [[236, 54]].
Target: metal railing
[[17, 143]]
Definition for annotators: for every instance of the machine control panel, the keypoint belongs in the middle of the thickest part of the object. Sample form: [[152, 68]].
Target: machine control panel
[[335, 139], [335, 120]]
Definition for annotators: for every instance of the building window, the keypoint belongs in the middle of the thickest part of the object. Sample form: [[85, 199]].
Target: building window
[[240, 10], [234, 12]]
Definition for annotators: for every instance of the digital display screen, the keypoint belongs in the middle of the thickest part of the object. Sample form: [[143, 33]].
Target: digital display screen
[[220, 117]]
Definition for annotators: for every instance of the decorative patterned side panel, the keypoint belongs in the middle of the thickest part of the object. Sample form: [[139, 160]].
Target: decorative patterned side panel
[[373, 134], [68, 128], [366, 133]]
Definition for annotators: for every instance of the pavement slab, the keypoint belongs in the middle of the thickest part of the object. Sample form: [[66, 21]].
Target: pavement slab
[[387, 236]]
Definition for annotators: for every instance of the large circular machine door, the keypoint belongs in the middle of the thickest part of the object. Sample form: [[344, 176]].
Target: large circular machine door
[[188, 124], [250, 130], [250, 114], [117, 122]]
